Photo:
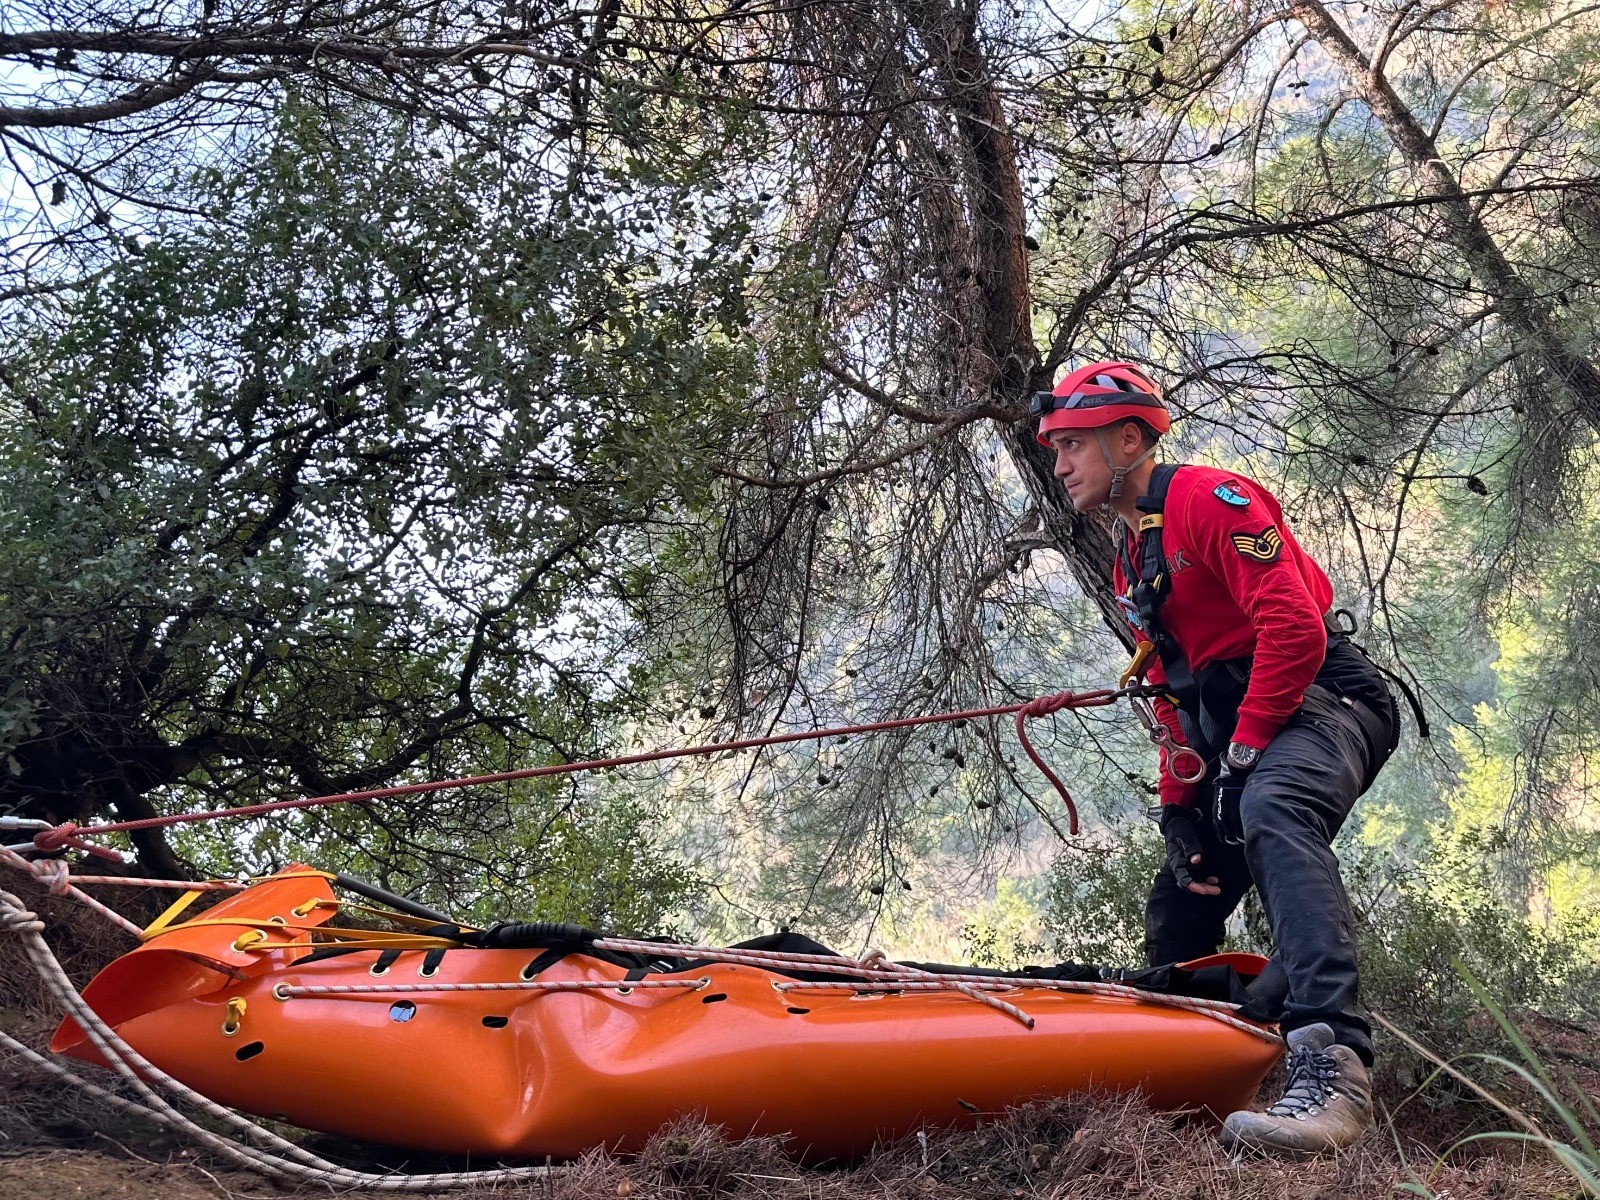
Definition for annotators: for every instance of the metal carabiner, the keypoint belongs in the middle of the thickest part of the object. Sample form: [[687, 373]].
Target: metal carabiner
[[1141, 659]]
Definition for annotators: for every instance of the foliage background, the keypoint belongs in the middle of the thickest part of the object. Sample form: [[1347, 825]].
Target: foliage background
[[409, 398]]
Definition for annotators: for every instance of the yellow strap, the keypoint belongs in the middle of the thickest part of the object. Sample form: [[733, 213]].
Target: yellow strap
[[350, 937], [399, 918], [182, 903], [174, 910], [397, 941], [355, 938], [394, 941], [1151, 521]]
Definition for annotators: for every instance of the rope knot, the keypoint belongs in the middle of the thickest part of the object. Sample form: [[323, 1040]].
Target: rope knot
[[1044, 706], [68, 836], [53, 873], [62, 837]]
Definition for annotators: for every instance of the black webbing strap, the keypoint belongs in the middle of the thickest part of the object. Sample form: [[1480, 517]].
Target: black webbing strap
[[386, 959], [1149, 584], [1341, 623]]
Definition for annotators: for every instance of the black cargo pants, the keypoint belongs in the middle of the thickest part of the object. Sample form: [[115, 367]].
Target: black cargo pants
[[1297, 798]]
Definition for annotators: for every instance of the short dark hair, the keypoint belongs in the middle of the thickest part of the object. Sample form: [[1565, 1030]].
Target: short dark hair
[[1147, 432]]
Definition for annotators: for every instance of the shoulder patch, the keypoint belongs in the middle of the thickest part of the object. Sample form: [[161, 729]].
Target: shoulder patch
[[1263, 547], [1226, 493]]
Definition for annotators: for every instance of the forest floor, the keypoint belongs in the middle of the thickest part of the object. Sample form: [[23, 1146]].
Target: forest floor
[[1087, 1148], [57, 1142]]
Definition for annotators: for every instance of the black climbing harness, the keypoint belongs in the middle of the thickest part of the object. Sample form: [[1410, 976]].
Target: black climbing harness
[[1207, 701]]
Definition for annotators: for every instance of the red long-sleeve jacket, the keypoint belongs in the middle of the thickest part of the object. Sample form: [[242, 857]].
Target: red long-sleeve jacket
[[1240, 585]]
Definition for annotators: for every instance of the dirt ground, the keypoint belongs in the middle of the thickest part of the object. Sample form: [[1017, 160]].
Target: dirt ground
[[1086, 1148]]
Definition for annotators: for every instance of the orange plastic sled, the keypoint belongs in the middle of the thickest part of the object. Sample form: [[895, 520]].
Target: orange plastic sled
[[532, 1073]]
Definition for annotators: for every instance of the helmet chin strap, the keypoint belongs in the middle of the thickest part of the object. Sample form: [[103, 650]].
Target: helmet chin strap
[[1119, 475]]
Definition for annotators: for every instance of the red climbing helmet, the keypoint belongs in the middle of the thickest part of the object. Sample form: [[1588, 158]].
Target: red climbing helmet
[[1098, 395]]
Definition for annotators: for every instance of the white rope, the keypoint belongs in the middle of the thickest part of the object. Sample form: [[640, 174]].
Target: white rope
[[52, 873], [291, 1162], [877, 959], [288, 991], [1111, 990], [184, 885], [875, 967]]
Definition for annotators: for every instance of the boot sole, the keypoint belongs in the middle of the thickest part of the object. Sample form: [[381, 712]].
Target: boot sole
[[1236, 1142]]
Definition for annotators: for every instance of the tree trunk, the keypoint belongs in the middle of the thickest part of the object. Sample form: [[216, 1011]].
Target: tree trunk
[[1083, 540], [1004, 297], [156, 857], [1520, 306]]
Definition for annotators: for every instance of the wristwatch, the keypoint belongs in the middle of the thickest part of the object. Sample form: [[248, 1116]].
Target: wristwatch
[[1242, 757]]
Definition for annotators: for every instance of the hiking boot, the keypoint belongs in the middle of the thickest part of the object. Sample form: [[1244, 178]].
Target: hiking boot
[[1326, 1106]]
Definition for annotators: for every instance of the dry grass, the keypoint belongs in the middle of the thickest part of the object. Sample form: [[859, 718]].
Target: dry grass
[[1081, 1148]]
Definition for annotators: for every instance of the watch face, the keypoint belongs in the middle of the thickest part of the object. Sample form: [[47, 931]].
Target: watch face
[[1243, 756]]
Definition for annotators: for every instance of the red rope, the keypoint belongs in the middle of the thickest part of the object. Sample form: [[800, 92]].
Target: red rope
[[1045, 706], [71, 834]]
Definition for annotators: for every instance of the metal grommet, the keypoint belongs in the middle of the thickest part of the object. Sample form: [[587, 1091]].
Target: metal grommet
[[304, 910], [277, 920], [247, 939], [236, 1011], [624, 991], [705, 982], [427, 972], [279, 991], [375, 972]]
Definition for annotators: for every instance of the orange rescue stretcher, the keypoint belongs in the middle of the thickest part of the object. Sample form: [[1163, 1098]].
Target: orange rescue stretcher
[[428, 1043]]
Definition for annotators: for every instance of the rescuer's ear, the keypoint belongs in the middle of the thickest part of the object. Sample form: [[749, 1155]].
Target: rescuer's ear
[[1134, 437]]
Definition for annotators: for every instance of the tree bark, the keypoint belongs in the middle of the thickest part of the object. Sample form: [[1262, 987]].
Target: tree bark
[[1004, 295], [1083, 540]]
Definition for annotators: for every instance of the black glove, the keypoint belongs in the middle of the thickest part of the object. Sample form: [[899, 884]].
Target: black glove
[[1180, 827], [1228, 790]]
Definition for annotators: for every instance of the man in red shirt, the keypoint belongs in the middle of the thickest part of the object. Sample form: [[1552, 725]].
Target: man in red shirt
[[1290, 720]]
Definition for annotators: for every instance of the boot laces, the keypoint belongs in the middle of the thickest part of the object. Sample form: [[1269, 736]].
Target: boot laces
[[1312, 1074]]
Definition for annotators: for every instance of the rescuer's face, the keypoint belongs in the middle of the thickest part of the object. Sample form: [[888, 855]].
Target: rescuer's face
[[1081, 468]]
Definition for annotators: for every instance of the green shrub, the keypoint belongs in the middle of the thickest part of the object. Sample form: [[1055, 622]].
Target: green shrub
[[1094, 901], [1414, 920]]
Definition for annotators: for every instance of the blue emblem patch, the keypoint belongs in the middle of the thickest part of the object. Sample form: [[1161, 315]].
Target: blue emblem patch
[[1228, 496]]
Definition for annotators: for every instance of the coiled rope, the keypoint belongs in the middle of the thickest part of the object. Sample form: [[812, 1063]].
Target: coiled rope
[[275, 1155]]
